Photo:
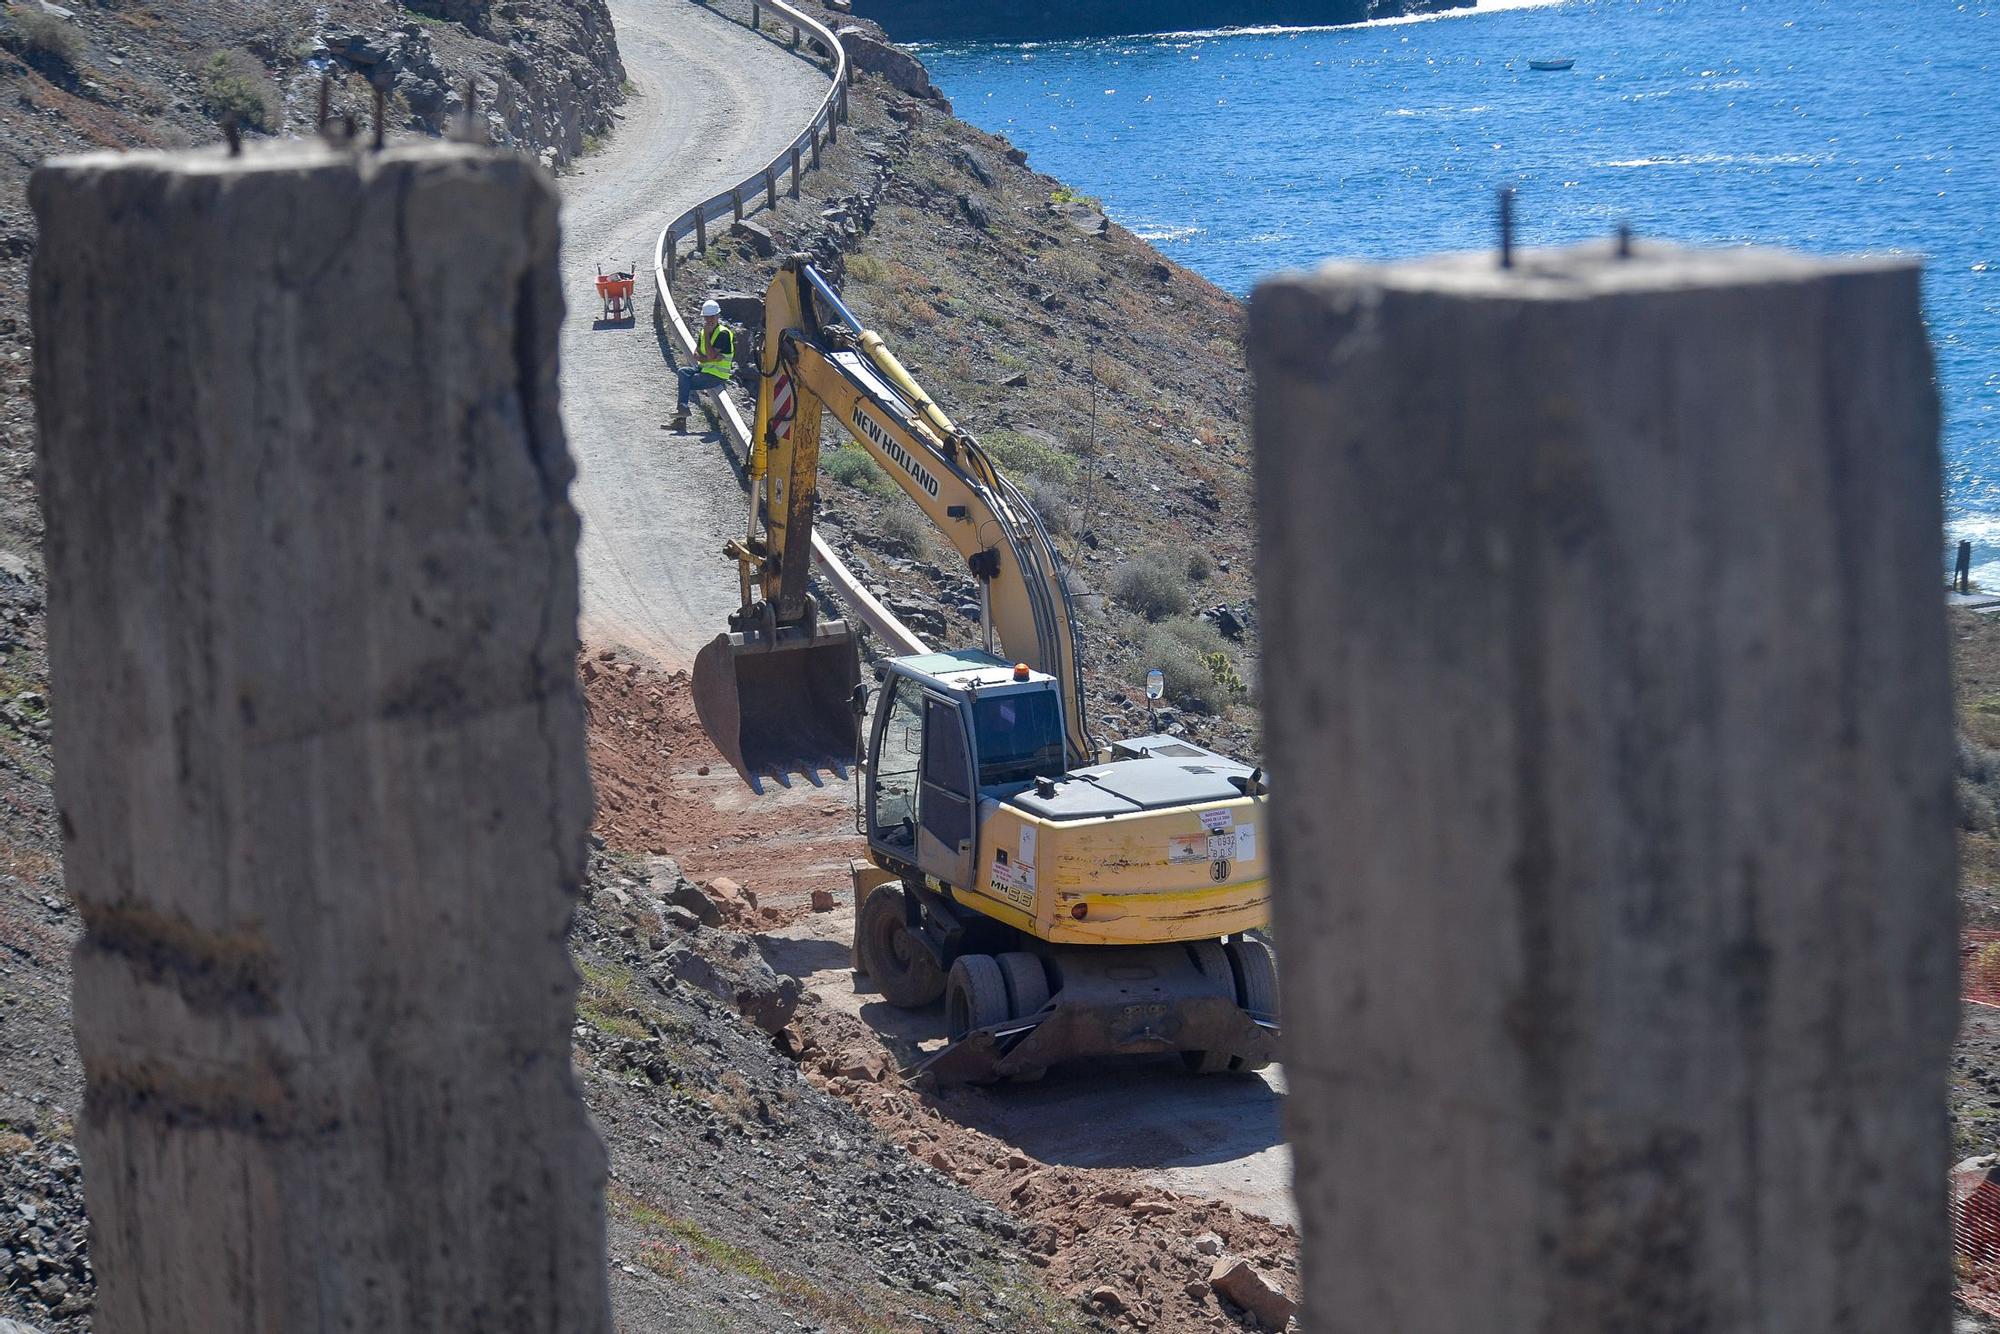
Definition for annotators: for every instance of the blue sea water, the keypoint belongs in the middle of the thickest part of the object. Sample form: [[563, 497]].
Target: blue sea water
[[1834, 126]]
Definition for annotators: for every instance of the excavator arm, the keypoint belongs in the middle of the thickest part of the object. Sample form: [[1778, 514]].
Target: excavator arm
[[816, 357]]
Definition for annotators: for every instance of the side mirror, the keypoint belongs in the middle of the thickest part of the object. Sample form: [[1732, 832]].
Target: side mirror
[[1156, 685]]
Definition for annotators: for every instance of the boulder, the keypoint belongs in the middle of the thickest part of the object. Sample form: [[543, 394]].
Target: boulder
[[822, 900], [758, 236], [740, 309], [729, 969], [975, 212], [973, 167], [902, 71], [1107, 1299], [1241, 1284], [681, 893]]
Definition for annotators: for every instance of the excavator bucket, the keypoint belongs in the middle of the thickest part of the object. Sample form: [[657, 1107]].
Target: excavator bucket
[[776, 705]]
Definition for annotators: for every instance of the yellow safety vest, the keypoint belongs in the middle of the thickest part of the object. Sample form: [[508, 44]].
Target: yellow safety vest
[[717, 352]]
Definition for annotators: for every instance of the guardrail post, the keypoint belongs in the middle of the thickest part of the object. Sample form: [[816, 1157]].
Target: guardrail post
[[1678, 834], [294, 717], [770, 187], [756, 19], [736, 198], [795, 37], [815, 144], [1964, 571], [795, 171], [700, 231], [672, 253]]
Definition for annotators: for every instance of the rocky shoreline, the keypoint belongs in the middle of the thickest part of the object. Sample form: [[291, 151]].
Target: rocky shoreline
[[1038, 20]]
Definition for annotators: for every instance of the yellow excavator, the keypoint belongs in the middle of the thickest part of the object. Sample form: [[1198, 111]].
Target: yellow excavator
[[1066, 898]]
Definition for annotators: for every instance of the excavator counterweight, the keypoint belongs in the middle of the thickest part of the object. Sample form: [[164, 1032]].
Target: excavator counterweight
[[780, 703]]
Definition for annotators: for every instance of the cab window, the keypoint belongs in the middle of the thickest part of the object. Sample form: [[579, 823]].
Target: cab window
[[1019, 737], [897, 759]]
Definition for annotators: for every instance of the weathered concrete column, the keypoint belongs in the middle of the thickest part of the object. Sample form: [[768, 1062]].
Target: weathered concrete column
[[1606, 676], [320, 762]]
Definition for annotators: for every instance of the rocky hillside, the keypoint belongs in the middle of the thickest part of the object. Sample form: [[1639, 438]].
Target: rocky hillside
[[954, 20], [1107, 380], [544, 73]]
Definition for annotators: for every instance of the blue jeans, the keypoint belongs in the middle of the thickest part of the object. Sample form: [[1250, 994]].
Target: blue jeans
[[694, 382]]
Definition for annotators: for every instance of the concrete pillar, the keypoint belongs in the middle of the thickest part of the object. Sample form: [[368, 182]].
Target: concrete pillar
[[1606, 677], [320, 760]]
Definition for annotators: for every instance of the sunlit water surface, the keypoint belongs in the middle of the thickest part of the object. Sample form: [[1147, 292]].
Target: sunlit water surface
[[1829, 125]]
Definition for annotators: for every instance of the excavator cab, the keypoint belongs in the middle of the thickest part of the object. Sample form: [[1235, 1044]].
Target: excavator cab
[[951, 729]]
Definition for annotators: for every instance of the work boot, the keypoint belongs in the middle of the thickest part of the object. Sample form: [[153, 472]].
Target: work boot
[[680, 422]]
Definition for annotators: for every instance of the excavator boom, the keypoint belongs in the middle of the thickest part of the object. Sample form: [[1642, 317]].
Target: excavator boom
[[774, 693]]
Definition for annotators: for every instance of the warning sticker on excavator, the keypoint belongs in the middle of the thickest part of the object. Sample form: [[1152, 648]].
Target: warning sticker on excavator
[[1013, 883], [1216, 822], [1026, 856], [782, 404], [1188, 848]]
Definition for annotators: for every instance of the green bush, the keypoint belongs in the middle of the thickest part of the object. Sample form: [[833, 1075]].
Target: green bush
[[1153, 586], [234, 82], [1199, 567], [40, 38], [1051, 501], [851, 465], [1977, 813], [865, 268], [1976, 763], [1021, 455], [1201, 673]]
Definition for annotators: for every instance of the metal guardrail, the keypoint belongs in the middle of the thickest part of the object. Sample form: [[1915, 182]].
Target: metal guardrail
[[755, 193]]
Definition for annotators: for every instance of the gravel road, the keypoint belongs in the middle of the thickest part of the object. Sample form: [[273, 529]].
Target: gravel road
[[712, 103]]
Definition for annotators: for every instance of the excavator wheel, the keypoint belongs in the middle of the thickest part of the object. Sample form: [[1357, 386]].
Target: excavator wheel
[[975, 995], [1027, 983], [891, 954], [1027, 992], [1256, 971], [1213, 960]]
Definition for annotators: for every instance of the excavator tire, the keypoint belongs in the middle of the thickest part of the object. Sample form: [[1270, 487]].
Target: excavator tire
[[975, 995], [1256, 983], [1027, 983], [1213, 960], [1027, 992], [890, 953]]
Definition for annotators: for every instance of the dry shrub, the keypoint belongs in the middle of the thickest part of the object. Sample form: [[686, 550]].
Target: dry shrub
[[236, 83], [43, 40], [1153, 586]]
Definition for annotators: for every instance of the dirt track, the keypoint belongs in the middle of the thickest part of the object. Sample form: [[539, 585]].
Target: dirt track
[[657, 508], [712, 103]]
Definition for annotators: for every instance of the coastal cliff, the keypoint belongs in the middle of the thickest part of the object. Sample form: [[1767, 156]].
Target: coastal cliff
[[954, 20]]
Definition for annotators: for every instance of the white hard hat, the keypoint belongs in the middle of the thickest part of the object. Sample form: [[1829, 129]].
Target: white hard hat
[[710, 308]]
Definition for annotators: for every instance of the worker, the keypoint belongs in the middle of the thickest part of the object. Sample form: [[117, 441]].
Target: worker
[[715, 355]]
